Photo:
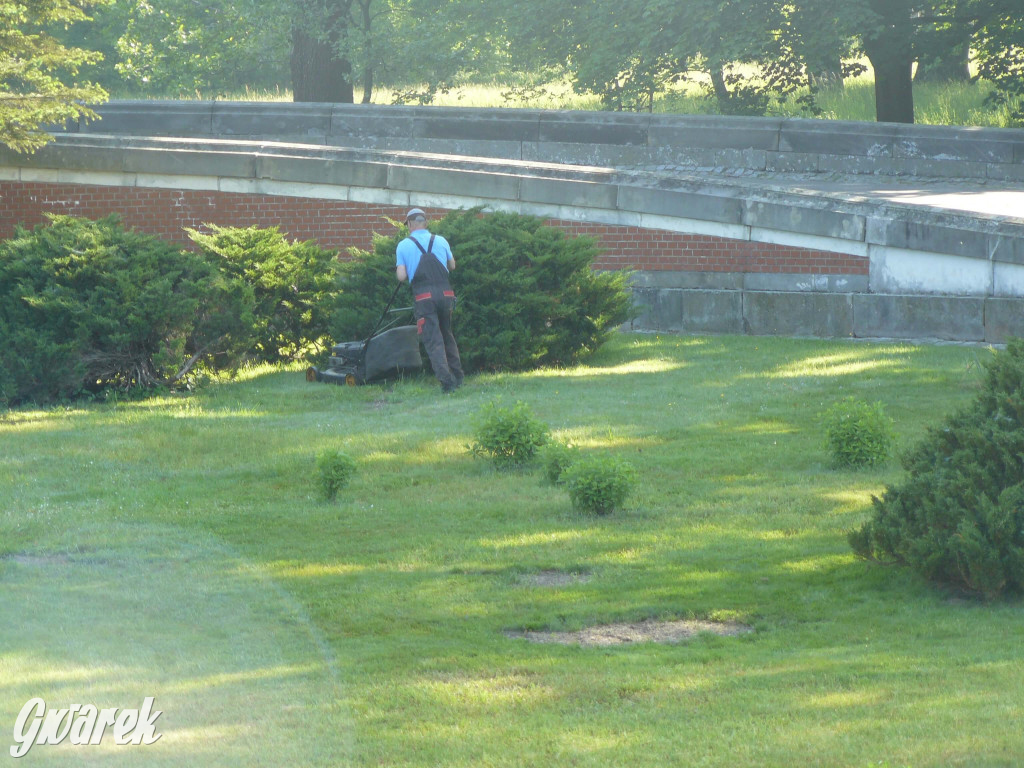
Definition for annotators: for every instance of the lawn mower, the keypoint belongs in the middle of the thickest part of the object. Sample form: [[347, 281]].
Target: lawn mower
[[390, 350]]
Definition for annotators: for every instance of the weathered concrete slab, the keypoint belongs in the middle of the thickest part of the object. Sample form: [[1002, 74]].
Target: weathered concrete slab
[[660, 309], [356, 121], [680, 203], [148, 118], [715, 132], [720, 281], [803, 283], [927, 237], [478, 125], [835, 137], [754, 159], [593, 128], [1007, 280], [950, 318], [712, 311], [899, 270], [600, 155], [792, 162], [571, 193], [247, 119], [317, 171], [808, 219], [861, 165], [453, 182], [957, 144], [798, 314], [944, 168], [676, 156], [508, 150], [689, 311], [1004, 318], [183, 162], [79, 157]]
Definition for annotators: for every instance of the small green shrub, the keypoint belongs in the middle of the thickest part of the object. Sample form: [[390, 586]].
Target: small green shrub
[[599, 485], [958, 517], [527, 293], [334, 470], [555, 459], [510, 437], [859, 434]]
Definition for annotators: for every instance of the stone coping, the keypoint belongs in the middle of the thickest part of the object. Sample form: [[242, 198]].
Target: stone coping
[[773, 144]]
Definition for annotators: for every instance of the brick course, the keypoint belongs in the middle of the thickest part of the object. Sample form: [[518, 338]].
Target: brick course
[[342, 225]]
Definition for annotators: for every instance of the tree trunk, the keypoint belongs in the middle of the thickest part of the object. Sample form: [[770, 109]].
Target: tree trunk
[[367, 20], [889, 47], [367, 84], [317, 74], [719, 86]]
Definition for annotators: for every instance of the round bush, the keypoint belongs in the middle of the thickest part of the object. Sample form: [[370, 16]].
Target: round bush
[[334, 471], [859, 434], [599, 485], [510, 437]]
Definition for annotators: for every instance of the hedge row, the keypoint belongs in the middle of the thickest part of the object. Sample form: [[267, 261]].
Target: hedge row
[[89, 307]]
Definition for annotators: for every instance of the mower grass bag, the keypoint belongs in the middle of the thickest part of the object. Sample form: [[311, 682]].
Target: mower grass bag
[[386, 355]]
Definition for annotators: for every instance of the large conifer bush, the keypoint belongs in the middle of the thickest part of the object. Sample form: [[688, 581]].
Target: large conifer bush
[[527, 295], [958, 517], [89, 306], [292, 287]]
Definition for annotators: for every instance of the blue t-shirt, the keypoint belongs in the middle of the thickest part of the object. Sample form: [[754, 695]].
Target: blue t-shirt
[[408, 255]]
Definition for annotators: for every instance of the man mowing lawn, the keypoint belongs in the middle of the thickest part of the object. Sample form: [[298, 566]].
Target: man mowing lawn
[[433, 294]]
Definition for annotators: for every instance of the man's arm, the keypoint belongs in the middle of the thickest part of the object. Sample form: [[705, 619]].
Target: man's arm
[[451, 263], [401, 274]]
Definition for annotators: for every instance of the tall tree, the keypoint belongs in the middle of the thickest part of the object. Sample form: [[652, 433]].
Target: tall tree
[[38, 74], [321, 69], [888, 41]]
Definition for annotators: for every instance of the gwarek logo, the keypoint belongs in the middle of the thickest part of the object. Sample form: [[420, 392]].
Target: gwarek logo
[[82, 725]]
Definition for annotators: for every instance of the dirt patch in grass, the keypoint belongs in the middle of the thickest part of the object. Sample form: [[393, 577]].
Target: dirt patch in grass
[[553, 578], [635, 632]]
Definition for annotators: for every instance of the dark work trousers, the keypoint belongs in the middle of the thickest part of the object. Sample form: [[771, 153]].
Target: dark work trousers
[[434, 303]]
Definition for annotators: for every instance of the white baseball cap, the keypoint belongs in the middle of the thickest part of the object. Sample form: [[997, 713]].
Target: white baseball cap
[[414, 213]]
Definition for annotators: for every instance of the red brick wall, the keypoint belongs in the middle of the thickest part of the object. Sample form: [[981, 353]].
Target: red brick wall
[[341, 225]]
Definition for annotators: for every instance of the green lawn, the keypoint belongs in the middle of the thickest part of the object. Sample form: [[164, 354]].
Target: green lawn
[[176, 548]]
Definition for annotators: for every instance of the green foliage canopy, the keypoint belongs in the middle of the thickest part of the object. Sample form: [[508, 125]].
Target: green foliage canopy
[[38, 74]]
